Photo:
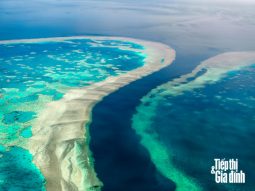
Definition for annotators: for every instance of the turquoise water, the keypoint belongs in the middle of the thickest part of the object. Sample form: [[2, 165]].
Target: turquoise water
[[18, 172], [33, 74], [185, 132]]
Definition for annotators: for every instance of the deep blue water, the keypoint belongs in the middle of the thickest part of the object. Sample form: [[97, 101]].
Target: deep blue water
[[197, 31], [124, 164]]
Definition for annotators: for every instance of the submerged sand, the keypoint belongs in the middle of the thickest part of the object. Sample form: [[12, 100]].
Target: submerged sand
[[215, 68], [59, 144]]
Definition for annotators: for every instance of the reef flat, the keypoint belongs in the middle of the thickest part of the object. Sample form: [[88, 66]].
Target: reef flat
[[156, 109], [59, 139]]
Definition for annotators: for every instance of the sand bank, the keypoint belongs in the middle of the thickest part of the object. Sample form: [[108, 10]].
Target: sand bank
[[214, 69], [59, 144]]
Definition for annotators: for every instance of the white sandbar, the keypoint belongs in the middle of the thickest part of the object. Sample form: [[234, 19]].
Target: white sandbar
[[59, 144]]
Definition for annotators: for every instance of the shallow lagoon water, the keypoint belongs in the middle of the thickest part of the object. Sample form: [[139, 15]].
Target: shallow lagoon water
[[34, 73], [18, 173]]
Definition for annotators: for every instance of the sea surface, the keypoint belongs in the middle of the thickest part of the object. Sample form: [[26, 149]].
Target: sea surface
[[195, 126]]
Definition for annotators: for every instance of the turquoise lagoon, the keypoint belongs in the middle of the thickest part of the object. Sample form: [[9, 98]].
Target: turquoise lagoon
[[36, 72]]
